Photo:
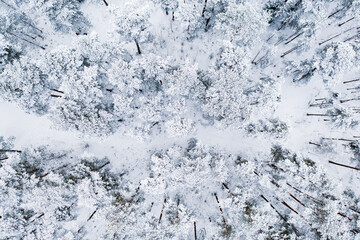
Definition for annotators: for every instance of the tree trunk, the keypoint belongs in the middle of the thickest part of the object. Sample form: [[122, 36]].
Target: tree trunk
[[195, 230], [203, 11], [137, 46], [350, 81], [161, 213], [343, 165], [9, 150], [26, 40]]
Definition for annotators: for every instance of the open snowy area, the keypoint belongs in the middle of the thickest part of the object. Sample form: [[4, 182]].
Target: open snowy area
[[179, 119]]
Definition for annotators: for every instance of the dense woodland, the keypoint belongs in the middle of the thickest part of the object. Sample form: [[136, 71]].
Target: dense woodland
[[168, 74]]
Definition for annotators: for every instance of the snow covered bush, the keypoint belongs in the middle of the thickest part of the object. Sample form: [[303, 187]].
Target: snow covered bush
[[273, 127], [302, 71]]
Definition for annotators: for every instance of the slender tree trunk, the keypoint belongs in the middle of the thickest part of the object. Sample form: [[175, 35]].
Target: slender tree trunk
[[29, 35], [297, 200], [346, 21], [221, 211], [350, 38], [339, 139], [343, 165], [348, 100], [26, 40], [92, 215], [253, 61], [343, 215], [281, 216], [307, 195], [63, 166], [288, 206], [102, 166], [203, 11], [350, 81], [55, 90], [293, 38], [336, 12], [322, 115], [9, 150], [33, 27], [228, 189], [315, 144], [207, 22], [195, 230], [336, 35], [7, 4], [289, 51], [137, 46], [162, 210], [352, 209]]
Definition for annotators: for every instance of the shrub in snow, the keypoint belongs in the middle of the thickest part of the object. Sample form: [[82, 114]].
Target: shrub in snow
[[274, 127], [302, 71]]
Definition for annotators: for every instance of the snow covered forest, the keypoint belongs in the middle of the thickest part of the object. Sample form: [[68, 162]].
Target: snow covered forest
[[179, 119]]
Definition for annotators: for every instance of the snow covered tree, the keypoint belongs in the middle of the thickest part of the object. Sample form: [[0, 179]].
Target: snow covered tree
[[52, 194], [292, 13], [25, 83], [290, 196], [169, 5], [232, 94], [187, 177], [83, 103], [48, 194], [65, 15], [7, 55], [190, 17], [306, 17], [336, 58], [320, 202], [19, 30], [132, 21], [242, 23], [151, 90]]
